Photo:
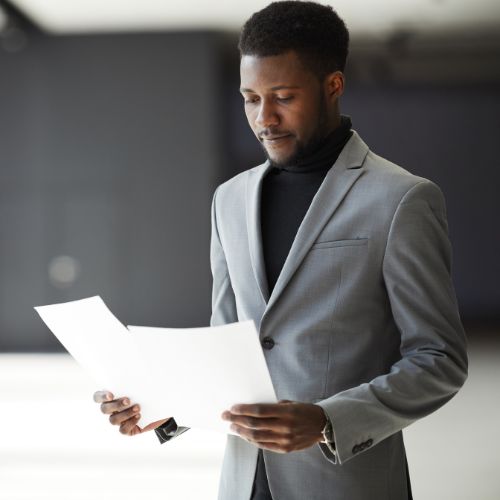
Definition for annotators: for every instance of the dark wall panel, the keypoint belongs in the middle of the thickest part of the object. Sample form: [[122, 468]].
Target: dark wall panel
[[111, 147], [109, 156]]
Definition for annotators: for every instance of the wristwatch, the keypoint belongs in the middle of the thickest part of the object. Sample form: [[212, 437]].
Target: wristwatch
[[328, 436]]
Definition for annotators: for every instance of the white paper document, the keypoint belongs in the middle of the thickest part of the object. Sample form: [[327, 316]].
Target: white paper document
[[191, 374]]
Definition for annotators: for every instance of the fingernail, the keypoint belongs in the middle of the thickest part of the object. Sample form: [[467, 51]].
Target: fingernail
[[136, 408], [125, 402]]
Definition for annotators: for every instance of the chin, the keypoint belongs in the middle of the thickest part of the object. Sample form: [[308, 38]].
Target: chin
[[281, 160]]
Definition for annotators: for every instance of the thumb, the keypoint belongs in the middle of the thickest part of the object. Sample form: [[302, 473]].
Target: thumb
[[153, 425]]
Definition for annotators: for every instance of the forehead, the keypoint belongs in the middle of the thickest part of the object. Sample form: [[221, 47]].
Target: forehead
[[272, 71]]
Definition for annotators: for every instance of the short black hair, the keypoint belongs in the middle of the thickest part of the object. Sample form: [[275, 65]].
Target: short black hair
[[314, 31]]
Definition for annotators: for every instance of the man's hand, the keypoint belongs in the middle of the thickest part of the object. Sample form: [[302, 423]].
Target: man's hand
[[281, 427], [121, 412]]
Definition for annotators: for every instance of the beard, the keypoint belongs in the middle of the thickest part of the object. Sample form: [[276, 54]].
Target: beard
[[306, 149]]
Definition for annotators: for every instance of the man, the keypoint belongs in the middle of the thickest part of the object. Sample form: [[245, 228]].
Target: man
[[342, 260]]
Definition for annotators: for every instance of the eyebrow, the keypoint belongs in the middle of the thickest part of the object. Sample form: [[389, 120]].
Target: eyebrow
[[277, 87]]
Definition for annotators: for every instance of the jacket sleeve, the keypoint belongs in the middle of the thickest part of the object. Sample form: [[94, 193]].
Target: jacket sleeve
[[223, 307], [433, 364]]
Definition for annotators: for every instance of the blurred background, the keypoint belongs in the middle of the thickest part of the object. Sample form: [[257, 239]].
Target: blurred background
[[119, 118]]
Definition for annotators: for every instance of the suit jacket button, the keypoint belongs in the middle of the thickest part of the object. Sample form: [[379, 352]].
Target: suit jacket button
[[267, 343]]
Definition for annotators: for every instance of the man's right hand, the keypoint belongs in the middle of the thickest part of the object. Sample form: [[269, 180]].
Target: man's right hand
[[124, 414]]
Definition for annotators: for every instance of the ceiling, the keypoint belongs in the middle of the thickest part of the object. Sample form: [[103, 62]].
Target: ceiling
[[363, 17]]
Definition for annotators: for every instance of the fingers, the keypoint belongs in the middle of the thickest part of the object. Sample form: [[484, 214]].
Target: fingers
[[120, 417], [121, 412], [279, 442], [154, 425], [262, 409], [115, 405], [281, 427], [269, 440], [129, 427], [261, 436], [102, 396], [274, 424], [279, 448]]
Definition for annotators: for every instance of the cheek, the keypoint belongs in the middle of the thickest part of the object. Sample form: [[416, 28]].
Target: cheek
[[249, 114], [296, 119], [251, 120], [306, 127]]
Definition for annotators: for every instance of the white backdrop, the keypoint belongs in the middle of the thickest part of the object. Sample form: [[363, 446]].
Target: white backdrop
[[56, 445]]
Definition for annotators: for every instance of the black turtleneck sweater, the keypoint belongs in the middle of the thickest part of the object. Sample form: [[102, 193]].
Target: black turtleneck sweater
[[287, 193]]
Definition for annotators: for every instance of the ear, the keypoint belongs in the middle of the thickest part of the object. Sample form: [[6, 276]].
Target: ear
[[334, 85]]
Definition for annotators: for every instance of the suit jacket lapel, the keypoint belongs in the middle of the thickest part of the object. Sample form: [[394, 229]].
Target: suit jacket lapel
[[253, 195], [332, 191]]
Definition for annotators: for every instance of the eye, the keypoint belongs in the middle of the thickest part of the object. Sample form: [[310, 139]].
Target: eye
[[251, 100], [284, 99]]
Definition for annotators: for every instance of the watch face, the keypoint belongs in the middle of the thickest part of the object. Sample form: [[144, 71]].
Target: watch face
[[329, 432]]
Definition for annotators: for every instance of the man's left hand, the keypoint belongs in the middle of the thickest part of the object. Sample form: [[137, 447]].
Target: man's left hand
[[281, 427]]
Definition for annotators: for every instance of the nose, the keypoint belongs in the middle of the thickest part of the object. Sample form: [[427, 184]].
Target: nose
[[266, 115]]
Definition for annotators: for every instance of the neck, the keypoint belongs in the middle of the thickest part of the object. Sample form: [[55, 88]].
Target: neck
[[335, 122]]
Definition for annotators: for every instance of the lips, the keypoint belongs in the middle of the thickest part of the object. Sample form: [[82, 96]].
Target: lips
[[275, 138]]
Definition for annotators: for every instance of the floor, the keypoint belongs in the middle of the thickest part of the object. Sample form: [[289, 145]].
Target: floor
[[55, 444]]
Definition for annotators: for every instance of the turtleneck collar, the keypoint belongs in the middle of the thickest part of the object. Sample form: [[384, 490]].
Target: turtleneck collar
[[327, 152]]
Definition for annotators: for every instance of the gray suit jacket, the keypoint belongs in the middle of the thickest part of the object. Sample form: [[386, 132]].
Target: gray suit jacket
[[363, 315]]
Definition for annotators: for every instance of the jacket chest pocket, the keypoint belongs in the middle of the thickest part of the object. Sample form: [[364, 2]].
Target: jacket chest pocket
[[355, 242]]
